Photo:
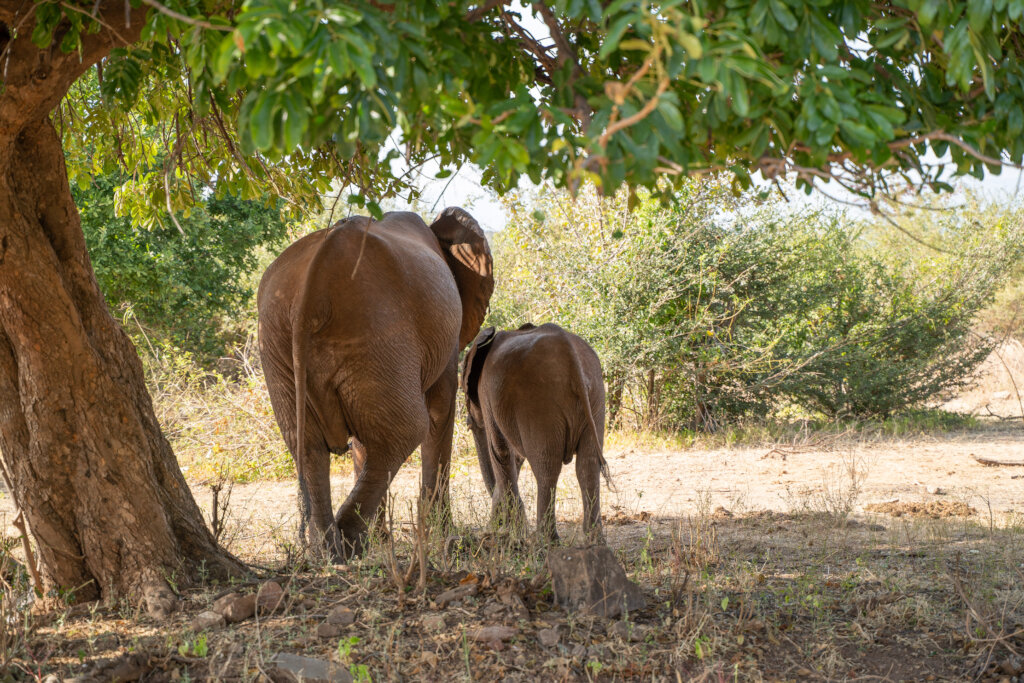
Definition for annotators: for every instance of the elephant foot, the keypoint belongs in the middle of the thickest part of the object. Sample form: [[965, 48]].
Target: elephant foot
[[595, 536]]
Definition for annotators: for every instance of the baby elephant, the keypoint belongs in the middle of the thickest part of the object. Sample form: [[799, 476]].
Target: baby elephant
[[536, 393]]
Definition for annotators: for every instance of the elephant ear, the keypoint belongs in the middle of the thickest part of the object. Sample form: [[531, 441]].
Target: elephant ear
[[469, 258], [474, 363]]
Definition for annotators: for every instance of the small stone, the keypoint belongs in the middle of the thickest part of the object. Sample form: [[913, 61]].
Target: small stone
[[621, 630], [161, 601], [341, 615], [493, 609], [579, 651], [458, 593], [270, 597], [52, 678], [592, 580], [493, 633], [595, 652], [289, 667], [803, 672], [329, 630], [434, 622], [207, 620], [548, 637], [221, 603], [240, 609]]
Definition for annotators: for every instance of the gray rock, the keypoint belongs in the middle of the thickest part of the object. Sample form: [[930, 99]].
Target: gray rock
[[487, 634], [221, 603], [207, 620], [341, 615], [625, 630], [434, 622], [579, 651], [270, 597], [235, 607], [160, 600], [289, 667], [329, 630], [592, 580], [548, 637]]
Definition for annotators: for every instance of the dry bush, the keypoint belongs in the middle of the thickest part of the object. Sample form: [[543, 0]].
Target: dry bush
[[14, 593], [997, 387]]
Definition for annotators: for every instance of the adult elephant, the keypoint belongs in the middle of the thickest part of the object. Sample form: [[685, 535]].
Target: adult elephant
[[360, 328]]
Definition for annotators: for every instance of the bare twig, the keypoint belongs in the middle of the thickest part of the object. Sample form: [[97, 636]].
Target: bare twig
[[191, 21]]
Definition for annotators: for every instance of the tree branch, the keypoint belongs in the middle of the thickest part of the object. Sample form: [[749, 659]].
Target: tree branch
[[477, 14], [192, 21], [566, 52]]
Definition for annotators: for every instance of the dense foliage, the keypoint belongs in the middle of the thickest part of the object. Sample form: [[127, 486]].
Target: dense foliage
[[188, 285], [289, 96], [725, 307]]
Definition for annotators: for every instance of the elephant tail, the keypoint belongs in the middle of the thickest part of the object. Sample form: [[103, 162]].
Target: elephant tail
[[300, 345], [299, 339], [584, 398]]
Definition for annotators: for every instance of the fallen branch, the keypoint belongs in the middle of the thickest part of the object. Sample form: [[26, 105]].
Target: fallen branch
[[993, 462], [1002, 418]]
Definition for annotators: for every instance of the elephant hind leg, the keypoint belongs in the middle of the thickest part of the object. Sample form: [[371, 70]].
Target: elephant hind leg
[[436, 449], [588, 473], [547, 480], [507, 507], [386, 446], [315, 494], [379, 524]]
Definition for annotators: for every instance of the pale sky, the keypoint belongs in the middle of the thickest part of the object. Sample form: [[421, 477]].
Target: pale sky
[[464, 189]]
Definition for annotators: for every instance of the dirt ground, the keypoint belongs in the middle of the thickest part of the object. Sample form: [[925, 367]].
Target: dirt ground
[[842, 558], [831, 474], [835, 475]]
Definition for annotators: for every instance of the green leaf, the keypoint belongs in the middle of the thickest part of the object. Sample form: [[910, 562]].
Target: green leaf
[[783, 15], [671, 114], [295, 119], [857, 132], [261, 121], [614, 35], [978, 14], [691, 44], [929, 9]]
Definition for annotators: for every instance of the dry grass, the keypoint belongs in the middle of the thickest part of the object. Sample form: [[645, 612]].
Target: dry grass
[[821, 590], [763, 596]]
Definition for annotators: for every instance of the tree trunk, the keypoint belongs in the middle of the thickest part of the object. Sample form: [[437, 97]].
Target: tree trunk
[[108, 506]]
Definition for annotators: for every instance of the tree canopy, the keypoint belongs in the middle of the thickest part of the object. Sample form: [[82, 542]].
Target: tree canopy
[[282, 100], [283, 97]]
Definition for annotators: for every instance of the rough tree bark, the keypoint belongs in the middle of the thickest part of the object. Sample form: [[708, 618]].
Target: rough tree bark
[[99, 484]]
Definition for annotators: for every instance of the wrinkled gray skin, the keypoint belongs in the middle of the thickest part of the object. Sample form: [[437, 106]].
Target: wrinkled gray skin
[[537, 394], [360, 327]]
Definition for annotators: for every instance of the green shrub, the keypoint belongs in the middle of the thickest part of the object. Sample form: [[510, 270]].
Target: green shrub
[[188, 285], [722, 307]]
